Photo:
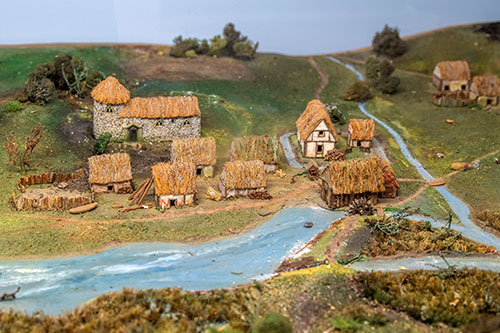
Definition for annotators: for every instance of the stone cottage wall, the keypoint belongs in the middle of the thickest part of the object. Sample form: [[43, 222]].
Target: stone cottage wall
[[107, 122]]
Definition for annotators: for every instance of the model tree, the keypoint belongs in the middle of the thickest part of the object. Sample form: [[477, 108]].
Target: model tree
[[23, 160], [378, 72], [359, 91], [388, 43]]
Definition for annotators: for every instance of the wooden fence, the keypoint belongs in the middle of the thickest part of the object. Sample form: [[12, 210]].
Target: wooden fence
[[48, 178], [51, 203]]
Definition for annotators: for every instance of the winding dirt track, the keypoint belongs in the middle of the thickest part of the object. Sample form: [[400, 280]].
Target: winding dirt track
[[322, 74]]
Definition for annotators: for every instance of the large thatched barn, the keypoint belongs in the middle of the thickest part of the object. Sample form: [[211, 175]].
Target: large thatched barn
[[139, 118], [485, 90], [352, 179], [315, 130], [240, 178], [110, 173], [199, 151], [174, 184], [252, 148], [451, 76], [360, 133]]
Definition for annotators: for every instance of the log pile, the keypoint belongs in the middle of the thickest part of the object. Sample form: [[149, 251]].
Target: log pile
[[260, 195], [137, 197]]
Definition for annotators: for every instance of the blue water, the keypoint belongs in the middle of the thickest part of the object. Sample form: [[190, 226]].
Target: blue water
[[61, 284], [288, 151]]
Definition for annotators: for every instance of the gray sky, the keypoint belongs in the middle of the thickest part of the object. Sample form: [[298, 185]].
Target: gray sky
[[284, 26]]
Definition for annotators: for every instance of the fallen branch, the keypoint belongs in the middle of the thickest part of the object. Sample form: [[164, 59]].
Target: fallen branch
[[8, 296]]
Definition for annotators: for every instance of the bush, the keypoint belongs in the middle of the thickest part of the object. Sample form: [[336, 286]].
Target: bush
[[181, 46], [272, 323], [12, 106], [41, 91], [102, 143], [358, 91], [387, 42], [336, 115], [93, 79], [203, 47], [63, 61], [217, 44], [378, 72], [245, 50], [190, 54], [492, 217]]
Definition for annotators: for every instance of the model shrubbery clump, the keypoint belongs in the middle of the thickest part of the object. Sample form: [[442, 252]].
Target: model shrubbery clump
[[388, 43], [272, 323], [378, 72], [358, 91], [102, 143], [231, 44]]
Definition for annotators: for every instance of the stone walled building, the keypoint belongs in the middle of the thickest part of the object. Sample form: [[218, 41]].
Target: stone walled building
[[143, 118], [110, 173]]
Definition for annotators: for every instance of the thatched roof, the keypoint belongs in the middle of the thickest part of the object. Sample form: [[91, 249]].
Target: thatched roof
[[357, 176], [244, 174], [161, 107], [453, 70], [255, 148], [361, 129], [110, 91], [389, 175], [109, 168], [199, 151], [174, 178], [485, 85], [314, 113]]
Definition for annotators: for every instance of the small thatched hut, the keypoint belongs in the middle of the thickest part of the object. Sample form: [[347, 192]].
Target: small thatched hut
[[110, 173], [352, 179], [174, 184], [253, 148], [485, 90], [241, 178], [390, 182], [360, 133], [315, 130], [451, 76], [199, 151]]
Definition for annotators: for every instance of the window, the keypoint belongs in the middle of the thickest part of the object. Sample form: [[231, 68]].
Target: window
[[187, 122], [463, 87], [109, 109], [159, 123], [447, 88], [320, 149], [110, 187], [488, 101], [173, 202], [198, 171], [321, 133]]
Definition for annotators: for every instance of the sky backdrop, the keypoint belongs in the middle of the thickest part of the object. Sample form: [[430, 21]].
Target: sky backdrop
[[283, 26]]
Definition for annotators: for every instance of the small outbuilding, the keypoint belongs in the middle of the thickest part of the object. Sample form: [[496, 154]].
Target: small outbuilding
[[360, 133], [485, 90], [242, 178], [348, 180], [174, 184], [110, 173], [199, 151], [390, 182], [253, 148], [315, 130], [451, 76]]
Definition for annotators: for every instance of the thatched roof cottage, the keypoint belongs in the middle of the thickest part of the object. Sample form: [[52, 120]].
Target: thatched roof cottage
[[199, 151], [451, 76], [352, 179], [240, 178], [315, 130], [252, 148], [143, 118], [174, 184], [360, 133], [485, 90], [110, 173]]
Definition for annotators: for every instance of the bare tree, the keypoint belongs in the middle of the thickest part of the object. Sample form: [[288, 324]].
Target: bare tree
[[11, 148], [15, 158]]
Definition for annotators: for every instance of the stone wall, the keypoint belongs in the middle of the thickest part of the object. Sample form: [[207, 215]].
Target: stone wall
[[105, 120]]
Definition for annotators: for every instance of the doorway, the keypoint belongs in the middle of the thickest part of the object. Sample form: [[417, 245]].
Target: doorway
[[133, 133]]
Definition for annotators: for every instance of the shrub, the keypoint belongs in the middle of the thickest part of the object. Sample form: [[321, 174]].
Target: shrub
[[102, 143], [181, 46], [217, 44], [41, 91], [62, 62], [358, 91], [190, 54], [378, 72], [492, 217], [245, 50], [336, 115], [272, 323], [12, 106], [203, 47], [93, 79], [238, 45], [387, 42]]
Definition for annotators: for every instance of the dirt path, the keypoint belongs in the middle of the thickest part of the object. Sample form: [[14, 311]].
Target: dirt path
[[340, 238], [322, 74], [60, 221]]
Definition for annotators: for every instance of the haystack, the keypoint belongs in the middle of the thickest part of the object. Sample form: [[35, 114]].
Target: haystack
[[240, 178], [161, 107], [110, 172], [175, 178], [110, 91]]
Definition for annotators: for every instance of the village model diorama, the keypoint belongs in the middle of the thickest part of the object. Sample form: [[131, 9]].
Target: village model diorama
[[208, 187]]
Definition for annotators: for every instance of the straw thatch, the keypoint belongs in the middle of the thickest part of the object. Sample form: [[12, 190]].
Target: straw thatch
[[485, 85], [362, 129], [175, 178], [357, 176], [161, 107], [389, 175], [199, 151], [110, 91], [255, 148], [110, 168], [241, 175], [454, 70], [314, 113]]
